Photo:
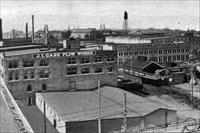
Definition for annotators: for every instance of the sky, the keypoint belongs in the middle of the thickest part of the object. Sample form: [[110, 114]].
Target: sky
[[60, 14]]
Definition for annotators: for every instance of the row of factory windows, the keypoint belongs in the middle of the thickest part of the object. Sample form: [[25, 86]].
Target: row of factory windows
[[146, 52], [86, 70], [29, 87], [167, 40], [30, 74], [161, 58], [27, 63], [45, 62], [169, 58]]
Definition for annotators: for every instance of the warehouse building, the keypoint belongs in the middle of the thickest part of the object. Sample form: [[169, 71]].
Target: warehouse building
[[159, 49], [88, 34], [30, 68], [76, 111]]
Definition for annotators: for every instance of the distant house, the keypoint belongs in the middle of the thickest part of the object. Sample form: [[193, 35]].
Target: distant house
[[150, 72], [84, 33]]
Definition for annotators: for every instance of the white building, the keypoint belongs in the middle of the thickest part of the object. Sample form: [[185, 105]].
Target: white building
[[126, 40]]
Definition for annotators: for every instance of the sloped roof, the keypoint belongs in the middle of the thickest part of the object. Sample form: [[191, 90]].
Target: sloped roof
[[83, 105], [139, 65]]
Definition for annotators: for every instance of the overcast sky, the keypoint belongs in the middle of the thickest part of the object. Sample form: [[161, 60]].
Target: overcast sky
[[174, 14]]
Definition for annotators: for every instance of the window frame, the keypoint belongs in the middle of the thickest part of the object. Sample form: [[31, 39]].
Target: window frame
[[110, 58], [10, 76], [96, 70], [28, 63], [70, 72], [71, 60], [87, 72], [29, 88], [108, 70], [44, 62], [98, 59], [13, 64], [85, 60], [43, 74]]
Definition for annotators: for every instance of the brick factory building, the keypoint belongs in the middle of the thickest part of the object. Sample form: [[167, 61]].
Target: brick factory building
[[28, 68], [72, 112], [155, 52], [159, 49]]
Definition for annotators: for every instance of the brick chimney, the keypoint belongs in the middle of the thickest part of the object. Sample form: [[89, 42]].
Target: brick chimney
[[1, 32], [33, 29], [26, 30]]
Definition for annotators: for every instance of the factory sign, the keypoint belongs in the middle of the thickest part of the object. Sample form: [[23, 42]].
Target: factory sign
[[63, 54]]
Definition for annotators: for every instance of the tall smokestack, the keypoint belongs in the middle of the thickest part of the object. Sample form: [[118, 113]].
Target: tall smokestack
[[46, 34], [1, 30], [13, 33], [32, 28], [26, 30], [46, 30]]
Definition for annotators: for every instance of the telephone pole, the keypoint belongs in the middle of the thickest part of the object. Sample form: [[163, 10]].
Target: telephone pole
[[192, 84], [45, 130], [125, 116], [99, 108]]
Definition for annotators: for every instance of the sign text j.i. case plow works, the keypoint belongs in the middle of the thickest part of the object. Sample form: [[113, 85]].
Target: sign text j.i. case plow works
[[62, 54]]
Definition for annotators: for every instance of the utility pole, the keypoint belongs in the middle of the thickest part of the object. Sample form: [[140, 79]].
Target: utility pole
[[125, 116], [192, 80], [166, 116], [199, 111], [45, 130], [131, 63], [99, 108]]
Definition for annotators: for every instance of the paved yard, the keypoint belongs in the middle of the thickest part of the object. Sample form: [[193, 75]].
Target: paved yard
[[188, 87]]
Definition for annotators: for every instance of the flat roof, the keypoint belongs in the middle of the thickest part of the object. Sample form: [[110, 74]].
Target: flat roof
[[38, 50], [83, 105]]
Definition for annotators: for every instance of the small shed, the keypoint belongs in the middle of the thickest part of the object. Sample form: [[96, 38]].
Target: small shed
[[152, 67]]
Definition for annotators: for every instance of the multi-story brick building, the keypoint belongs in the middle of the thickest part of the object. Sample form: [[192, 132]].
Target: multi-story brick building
[[26, 71], [159, 49], [189, 38], [158, 53]]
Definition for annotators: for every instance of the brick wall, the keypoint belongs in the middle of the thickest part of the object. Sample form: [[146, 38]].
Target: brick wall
[[58, 79]]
